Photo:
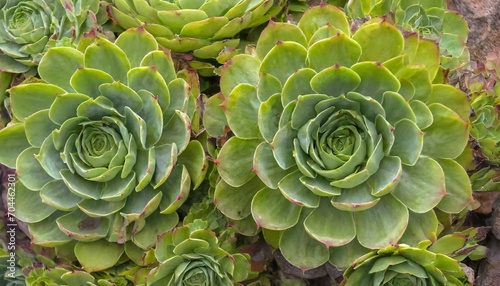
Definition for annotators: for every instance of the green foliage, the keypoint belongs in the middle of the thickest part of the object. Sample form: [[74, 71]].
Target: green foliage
[[405, 265], [12, 272], [102, 148], [357, 136], [333, 135], [190, 255], [484, 156], [44, 271], [430, 19], [204, 27], [30, 28]]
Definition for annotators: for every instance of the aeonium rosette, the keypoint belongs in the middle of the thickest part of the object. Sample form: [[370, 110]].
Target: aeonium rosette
[[103, 149], [341, 142], [192, 255], [29, 28], [405, 265]]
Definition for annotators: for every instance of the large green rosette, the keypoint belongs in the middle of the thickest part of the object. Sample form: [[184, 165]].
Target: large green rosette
[[29, 28], [341, 142], [103, 148]]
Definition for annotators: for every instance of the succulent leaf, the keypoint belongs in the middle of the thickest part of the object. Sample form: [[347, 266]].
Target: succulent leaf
[[205, 27]]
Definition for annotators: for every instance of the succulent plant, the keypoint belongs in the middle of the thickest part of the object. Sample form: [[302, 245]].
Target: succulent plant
[[58, 277], [8, 278], [405, 265], [30, 28], [485, 123], [103, 149], [483, 158], [341, 142], [190, 255], [12, 274], [462, 244], [204, 27], [431, 19], [50, 273], [205, 210]]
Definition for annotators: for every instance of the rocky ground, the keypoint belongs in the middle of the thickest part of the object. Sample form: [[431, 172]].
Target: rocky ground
[[483, 17]]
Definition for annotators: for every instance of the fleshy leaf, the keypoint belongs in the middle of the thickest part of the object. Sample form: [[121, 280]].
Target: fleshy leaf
[[339, 228], [64, 106], [423, 226], [297, 84], [387, 176], [240, 69], [375, 80], [81, 227], [323, 15], [12, 138], [282, 146], [58, 66], [86, 254], [242, 106], [283, 60], [269, 114], [29, 171], [339, 50], [38, 126], [421, 186], [25, 200], [175, 190], [46, 233], [214, 118], [87, 81], [266, 167], [57, 195], [310, 254], [235, 162], [105, 56], [39, 95], [235, 202], [379, 41], [408, 142], [458, 187], [344, 256], [391, 217], [275, 32], [452, 98], [292, 189], [155, 225], [272, 211], [335, 80], [136, 43], [447, 127]]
